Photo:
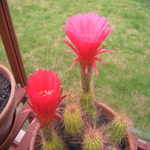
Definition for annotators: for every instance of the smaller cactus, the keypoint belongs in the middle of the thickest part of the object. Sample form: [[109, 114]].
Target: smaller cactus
[[117, 129], [92, 140], [73, 119], [54, 144]]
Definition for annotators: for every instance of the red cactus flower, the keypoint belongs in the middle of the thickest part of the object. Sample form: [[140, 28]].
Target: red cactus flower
[[45, 95], [85, 33]]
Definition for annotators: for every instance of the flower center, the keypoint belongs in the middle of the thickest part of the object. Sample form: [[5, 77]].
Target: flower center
[[44, 93]]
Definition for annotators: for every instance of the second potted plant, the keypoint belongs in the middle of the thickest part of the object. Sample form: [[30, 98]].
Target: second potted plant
[[7, 105]]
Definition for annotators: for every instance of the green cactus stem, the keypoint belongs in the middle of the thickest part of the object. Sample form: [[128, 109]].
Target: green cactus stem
[[47, 132], [73, 119], [54, 144], [88, 106], [87, 100], [117, 129], [86, 77], [92, 140], [51, 140]]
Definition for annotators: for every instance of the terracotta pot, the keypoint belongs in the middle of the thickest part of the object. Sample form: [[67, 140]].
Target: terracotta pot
[[8, 114], [36, 138], [5, 144]]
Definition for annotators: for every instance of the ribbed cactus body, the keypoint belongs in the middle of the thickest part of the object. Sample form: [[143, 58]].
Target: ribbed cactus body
[[88, 106], [54, 144], [73, 119], [47, 132], [117, 130], [92, 140]]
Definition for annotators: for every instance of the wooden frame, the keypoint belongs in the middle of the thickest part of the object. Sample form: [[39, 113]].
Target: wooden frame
[[11, 45]]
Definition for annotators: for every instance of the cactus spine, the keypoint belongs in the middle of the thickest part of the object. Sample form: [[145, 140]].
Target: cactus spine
[[92, 140], [73, 119], [117, 129], [54, 144], [51, 140]]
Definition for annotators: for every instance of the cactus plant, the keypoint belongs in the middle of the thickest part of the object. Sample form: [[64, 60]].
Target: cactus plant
[[117, 129], [87, 103], [54, 143], [92, 140], [44, 92], [85, 34], [73, 119], [85, 42]]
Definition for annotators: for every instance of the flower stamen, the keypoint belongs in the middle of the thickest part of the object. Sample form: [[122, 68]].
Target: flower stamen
[[44, 93]]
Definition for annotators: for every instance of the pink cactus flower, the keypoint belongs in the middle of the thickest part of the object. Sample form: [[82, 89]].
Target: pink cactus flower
[[85, 34]]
